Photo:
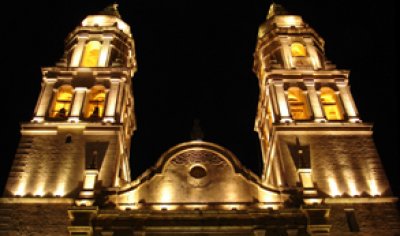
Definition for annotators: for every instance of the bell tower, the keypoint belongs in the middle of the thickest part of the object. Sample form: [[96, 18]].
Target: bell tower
[[309, 128], [79, 138]]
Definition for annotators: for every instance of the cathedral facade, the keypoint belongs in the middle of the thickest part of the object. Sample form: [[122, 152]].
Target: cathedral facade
[[321, 172]]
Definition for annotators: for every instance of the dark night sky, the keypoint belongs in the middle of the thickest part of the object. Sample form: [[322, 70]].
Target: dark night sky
[[195, 61]]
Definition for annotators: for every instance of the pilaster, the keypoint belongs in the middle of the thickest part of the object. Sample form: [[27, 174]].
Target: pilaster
[[78, 50], [282, 103], [348, 101], [112, 101], [312, 53], [79, 96], [105, 50], [44, 100], [314, 100], [286, 54]]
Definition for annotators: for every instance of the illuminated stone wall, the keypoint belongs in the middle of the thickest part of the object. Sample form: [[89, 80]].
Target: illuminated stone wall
[[307, 121], [48, 165], [372, 219], [348, 161], [176, 184], [198, 175], [33, 219]]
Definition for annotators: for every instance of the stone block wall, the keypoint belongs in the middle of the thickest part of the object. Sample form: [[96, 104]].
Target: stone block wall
[[373, 219], [348, 161], [49, 165], [22, 219]]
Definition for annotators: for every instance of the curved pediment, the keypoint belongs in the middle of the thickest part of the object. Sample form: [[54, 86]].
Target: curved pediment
[[196, 174]]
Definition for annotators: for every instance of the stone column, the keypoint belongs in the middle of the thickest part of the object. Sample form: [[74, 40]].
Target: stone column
[[44, 100], [78, 51], [116, 181], [126, 168], [274, 104], [79, 97], [281, 100], [105, 51], [286, 53], [112, 101], [348, 102], [120, 97], [313, 55], [278, 172], [314, 100]]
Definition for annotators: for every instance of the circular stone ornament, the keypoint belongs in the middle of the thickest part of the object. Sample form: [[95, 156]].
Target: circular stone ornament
[[198, 172]]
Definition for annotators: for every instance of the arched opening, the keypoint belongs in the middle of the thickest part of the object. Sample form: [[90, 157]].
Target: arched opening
[[298, 104], [62, 102], [95, 102], [330, 104], [91, 54], [298, 50]]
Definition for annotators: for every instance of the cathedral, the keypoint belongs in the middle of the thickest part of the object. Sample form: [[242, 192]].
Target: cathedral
[[321, 173]]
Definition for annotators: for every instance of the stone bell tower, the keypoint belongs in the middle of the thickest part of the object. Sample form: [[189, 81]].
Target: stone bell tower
[[79, 138], [311, 136], [309, 128]]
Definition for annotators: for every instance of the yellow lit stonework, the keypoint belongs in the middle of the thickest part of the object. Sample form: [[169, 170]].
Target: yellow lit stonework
[[352, 186], [20, 191], [334, 189], [105, 20], [330, 104], [298, 50], [374, 191], [91, 54], [95, 102], [90, 181], [219, 186], [40, 190], [62, 102], [288, 21], [60, 192], [71, 174], [306, 179], [298, 104]]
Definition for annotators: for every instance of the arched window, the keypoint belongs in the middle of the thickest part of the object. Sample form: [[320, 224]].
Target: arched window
[[330, 104], [91, 54], [95, 102], [62, 102], [298, 104], [298, 50]]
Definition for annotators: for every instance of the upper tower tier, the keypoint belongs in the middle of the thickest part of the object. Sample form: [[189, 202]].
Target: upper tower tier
[[102, 40], [297, 82], [285, 41], [92, 81]]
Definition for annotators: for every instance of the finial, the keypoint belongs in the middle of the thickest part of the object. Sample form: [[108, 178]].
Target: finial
[[197, 133], [111, 10], [276, 9]]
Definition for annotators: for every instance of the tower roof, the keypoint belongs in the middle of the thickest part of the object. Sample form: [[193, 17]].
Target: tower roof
[[109, 16], [276, 9], [111, 10]]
